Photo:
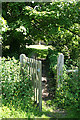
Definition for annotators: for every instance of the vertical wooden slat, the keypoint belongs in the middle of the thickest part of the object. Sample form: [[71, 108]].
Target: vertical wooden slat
[[32, 66], [31, 69], [28, 69], [40, 86], [21, 62], [29, 65], [38, 72], [34, 77], [35, 71], [0, 49], [36, 81]]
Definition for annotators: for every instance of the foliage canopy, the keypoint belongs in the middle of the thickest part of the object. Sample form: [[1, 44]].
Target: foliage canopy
[[57, 22]]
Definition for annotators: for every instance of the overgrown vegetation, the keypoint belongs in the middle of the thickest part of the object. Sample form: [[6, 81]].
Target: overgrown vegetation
[[52, 61], [17, 89], [55, 23], [17, 98], [67, 96]]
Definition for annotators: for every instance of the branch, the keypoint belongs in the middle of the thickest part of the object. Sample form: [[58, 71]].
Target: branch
[[70, 31]]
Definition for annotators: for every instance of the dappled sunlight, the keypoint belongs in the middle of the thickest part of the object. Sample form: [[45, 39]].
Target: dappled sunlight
[[47, 33], [38, 46]]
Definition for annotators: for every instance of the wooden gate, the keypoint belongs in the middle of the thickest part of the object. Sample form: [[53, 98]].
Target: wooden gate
[[35, 71]]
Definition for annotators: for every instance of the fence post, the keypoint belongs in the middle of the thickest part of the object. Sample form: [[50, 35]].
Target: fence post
[[79, 67], [60, 63], [0, 49], [21, 62]]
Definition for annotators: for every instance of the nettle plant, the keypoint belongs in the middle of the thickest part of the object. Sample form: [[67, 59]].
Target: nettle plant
[[67, 95], [16, 88]]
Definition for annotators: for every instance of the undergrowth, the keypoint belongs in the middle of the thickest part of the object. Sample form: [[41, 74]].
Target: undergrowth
[[67, 95], [17, 90]]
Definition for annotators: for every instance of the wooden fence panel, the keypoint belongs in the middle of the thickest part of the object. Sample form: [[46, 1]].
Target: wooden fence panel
[[34, 69]]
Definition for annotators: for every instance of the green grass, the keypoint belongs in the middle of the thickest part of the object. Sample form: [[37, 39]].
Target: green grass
[[48, 111], [9, 111]]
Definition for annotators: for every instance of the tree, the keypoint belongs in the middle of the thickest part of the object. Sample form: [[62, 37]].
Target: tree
[[3, 28], [57, 22]]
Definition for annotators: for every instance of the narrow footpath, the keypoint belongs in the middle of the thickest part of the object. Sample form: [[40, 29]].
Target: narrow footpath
[[48, 91], [47, 85]]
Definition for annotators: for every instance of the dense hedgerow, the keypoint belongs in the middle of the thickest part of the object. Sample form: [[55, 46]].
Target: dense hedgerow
[[52, 61], [16, 89], [67, 95], [52, 68]]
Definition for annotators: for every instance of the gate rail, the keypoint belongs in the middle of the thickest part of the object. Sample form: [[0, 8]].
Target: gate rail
[[35, 71]]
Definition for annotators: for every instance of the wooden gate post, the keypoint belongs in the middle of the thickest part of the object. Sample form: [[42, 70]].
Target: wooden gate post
[[22, 62], [0, 49], [60, 64]]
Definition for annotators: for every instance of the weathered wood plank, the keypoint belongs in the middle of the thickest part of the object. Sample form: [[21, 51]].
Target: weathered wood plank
[[71, 71], [36, 82], [40, 86], [0, 49], [60, 64], [34, 70]]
